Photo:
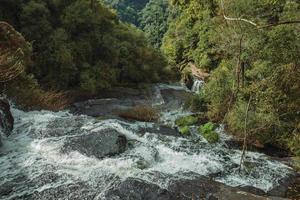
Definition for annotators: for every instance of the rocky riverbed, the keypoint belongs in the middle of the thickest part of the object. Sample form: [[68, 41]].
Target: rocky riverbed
[[90, 152]]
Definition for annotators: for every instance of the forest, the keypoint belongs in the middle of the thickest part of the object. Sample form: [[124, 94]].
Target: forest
[[79, 46], [253, 62], [244, 54]]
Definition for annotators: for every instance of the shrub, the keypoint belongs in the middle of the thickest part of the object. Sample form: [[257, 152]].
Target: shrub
[[27, 93], [196, 103], [184, 130], [218, 91], [186, 121], [294, 144], [208, 132], [140, 113], [297, 163]]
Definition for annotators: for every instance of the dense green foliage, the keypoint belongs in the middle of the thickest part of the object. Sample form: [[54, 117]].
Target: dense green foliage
[[128, 10], [82, 45], [15, 83], [184, 130], [154, 21], [208, 132], [151, 16], [254, 86], [189, 37], [184, 124], [186, 121]]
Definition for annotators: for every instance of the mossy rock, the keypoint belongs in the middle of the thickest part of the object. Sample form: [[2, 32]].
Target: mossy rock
[[296, 163], [101, 118], [186, 121], [141, 113], [208, 132], [184, 130]]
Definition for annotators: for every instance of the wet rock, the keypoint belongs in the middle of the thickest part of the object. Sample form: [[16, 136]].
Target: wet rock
[[136, 189], [101, 107], [74, 191], [145, 155], [6, 118], [189, 81], [112, 102], [108, 142], [205, 188], [201, 188], [252, 190], [159, 129], [283, 186], [294, 190], [274, 151], [175, 98]]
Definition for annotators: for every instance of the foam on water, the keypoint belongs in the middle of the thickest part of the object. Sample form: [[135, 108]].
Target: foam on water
[[30, 154], [197, 85]]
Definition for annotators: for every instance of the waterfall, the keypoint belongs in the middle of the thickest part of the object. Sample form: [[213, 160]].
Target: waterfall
[[197, 85]]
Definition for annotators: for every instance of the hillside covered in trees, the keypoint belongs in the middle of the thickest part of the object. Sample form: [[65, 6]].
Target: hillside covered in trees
[[81, 45], [149, 99], [251, 49], [151, 16]]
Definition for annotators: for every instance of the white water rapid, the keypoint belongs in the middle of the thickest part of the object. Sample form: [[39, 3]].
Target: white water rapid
[[33, 165]]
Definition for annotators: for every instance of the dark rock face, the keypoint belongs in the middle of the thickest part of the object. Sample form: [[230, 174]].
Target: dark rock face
[[74, 191], [135, 189], [112, 105], [175, 98], [283, 186], [112, 102], [189, 81], [100, 144], [197, 189], [6, 118], [102, 107], [159, 129]]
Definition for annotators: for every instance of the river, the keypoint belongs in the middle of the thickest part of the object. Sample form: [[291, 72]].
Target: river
[[35, 165]]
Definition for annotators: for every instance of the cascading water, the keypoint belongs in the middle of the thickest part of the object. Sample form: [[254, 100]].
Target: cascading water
[[197, 85], [33, 164]]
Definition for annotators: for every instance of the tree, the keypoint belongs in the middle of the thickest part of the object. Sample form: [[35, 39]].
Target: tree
[[14, 53], [154, 21]]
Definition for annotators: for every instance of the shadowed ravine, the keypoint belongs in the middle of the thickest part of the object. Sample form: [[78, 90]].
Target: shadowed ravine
[[70, 156]]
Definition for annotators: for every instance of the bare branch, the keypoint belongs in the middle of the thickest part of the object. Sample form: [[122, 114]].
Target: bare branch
[[280, 23], [234, 18], [245, 133], [240, 19], [253, 23]]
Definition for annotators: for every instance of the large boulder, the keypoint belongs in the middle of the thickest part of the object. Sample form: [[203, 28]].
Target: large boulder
[[159, 130], [100, 144], [6, 118], [136, 189], [180, 189]]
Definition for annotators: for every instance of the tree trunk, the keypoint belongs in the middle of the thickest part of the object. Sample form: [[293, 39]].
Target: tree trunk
[[243, 74], [93, 5]]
